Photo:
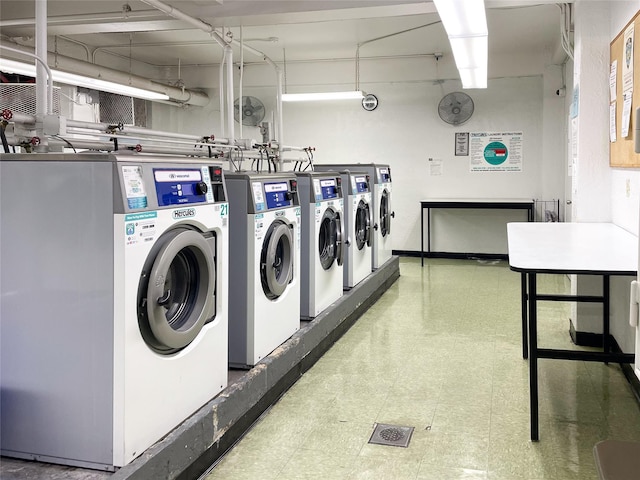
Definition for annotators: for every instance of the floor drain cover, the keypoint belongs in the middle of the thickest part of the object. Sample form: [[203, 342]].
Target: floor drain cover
[[391, 435]]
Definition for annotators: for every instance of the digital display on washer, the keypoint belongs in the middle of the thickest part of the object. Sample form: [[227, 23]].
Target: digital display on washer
[[276, 194], [179, 186], [329, 189], [361, 184]]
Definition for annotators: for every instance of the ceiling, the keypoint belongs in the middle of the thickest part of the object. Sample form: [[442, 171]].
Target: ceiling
[[303, 30]]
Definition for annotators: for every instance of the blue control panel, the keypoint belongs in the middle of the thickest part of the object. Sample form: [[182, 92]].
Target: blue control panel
[[362, 185], [276, 195], [385, 175], [329, 189], [179, 186]]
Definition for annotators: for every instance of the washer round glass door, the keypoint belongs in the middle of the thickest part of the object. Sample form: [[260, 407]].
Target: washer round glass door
[[330, 239], [176, 290], [276, 259], [385, 214], [363, 225]]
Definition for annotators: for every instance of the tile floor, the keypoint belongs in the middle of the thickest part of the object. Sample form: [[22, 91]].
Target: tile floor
[[441, 352]]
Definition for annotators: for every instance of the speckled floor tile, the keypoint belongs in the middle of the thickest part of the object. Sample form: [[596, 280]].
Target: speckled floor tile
[[441, 351]]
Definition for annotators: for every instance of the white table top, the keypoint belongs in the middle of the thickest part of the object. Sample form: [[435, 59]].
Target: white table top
[[479, 200], [588, 248]]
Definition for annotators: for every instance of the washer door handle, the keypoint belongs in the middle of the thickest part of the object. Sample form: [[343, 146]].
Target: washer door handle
[[163, 300]]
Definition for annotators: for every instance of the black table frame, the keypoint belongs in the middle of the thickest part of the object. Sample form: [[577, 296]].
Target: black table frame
[[529, 297], [466, 204]]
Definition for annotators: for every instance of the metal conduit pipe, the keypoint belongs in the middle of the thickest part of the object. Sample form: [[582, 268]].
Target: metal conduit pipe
[[168, 141], [42, 102], [289, 148], [85, 18], [230, 132], [23, 118], [134, 130], [180, 15], [175, 13], [221, 90], [108, 146], [100, 129], [81, 67]]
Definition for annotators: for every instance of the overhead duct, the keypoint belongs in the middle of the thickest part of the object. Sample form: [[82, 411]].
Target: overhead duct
[[176, 94]]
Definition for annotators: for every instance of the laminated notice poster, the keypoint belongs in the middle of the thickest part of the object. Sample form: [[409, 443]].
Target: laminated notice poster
[[627, 59], [495, 152]]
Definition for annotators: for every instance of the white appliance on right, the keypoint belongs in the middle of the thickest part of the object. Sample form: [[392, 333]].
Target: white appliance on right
[[380, 175]]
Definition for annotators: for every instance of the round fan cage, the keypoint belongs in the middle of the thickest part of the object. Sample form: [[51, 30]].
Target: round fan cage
[[252, 111], [455, 108]]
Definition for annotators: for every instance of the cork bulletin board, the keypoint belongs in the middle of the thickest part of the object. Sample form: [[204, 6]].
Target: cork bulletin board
[[622, 151]]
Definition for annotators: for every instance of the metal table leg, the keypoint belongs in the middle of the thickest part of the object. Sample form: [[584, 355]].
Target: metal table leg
[[421, 235], [525, 325], [533, 358], [605, 313]]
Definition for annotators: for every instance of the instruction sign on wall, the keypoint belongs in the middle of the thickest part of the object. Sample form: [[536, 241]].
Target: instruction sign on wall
[[495, 152]]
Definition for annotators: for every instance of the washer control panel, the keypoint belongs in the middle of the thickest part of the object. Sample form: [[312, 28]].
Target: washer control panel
[[180, 186]]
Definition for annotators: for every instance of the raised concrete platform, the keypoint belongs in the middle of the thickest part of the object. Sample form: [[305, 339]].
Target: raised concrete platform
[[190, 449]]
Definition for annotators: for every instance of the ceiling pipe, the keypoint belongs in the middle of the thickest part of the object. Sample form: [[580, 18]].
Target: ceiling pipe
[[41, 52], [221, 90], [178, 95], [101, 128], [84, 18], [230, 107], [180, 15]]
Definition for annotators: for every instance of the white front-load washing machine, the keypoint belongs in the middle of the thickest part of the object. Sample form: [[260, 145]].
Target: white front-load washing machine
[[114, 313], [358, 227], [381, 248], [264, 278], [322, 241]]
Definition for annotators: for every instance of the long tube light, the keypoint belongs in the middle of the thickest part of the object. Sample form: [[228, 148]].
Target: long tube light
[[311, 97], [465, 22], [12, 66]]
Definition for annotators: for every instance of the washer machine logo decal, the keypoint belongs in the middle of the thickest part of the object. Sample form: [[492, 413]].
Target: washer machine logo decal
[[185, 213]]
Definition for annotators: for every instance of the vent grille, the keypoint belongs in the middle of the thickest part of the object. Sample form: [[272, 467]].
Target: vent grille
[[116, 109], [21, 98]]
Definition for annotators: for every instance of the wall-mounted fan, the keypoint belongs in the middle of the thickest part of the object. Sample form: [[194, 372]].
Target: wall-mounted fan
[[252, 111], [455, 108]]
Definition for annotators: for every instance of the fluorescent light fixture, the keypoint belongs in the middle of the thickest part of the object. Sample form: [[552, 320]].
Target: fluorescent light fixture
[[469, 52], [473, 77], [312, 97], [466, 24], [462, 17], [11, 66]]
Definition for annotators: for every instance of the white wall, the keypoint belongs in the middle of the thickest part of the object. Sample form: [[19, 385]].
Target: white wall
[[601, 193], [405, 131], [625, 201], [625, 182]]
